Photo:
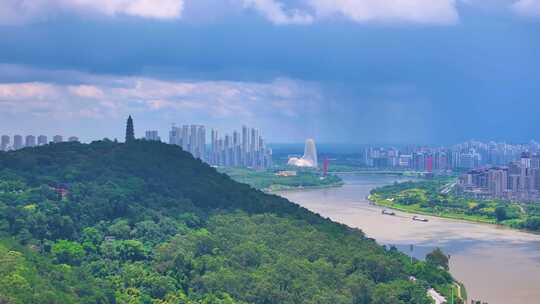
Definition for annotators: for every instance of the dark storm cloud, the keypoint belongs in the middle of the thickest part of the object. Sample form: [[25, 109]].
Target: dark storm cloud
[[374, 81]]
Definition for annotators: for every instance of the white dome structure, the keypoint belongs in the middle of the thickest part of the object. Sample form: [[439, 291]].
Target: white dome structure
[[310, 156]]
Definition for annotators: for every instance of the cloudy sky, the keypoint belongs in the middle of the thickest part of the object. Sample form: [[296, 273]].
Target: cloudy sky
[[358, 71]]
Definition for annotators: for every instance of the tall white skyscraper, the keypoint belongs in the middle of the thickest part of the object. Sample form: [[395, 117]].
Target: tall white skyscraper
[[214, 136], [201, 142], [245, 144], [192, 139]]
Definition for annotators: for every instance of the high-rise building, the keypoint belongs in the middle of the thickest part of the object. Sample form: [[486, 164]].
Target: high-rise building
[[466, 161], [30, 141], [4, 144], [192, 139], [245, 145], [245, 149], [536, 173], [58, 139], [236, 149], [535, 161], [498, 182], [227, 150], [429, 164], [152, 135], [254, 140], [526, 160], [175, 136], [201, 143], [42, 140], [73, 139], [185, 138], [18, 142]]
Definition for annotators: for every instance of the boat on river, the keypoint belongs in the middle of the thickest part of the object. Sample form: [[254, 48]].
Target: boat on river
[[419, 219], [386, 212]]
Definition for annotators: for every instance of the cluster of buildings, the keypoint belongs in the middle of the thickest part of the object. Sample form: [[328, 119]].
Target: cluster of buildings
[[191, 138], [239, 149], [519, 180], [19, 142], [465, 156]]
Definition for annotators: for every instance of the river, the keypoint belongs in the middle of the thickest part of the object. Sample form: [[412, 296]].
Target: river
[[497, 265]]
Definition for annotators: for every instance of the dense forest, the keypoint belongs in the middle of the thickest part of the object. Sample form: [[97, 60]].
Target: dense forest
[[144, 222]]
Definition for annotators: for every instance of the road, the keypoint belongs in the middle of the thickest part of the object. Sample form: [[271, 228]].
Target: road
[[439, 299]]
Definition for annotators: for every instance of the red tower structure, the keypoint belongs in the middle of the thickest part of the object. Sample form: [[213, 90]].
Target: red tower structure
[[429, 164], [325, 167]]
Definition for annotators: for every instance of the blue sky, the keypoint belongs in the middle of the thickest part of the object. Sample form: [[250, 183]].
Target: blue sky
[[364, 71]]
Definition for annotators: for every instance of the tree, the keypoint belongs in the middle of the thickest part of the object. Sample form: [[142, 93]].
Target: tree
[[155, 225], [68, 252], [120, 229], [437, 258], [500, 213], [131, 250], [130, 131]]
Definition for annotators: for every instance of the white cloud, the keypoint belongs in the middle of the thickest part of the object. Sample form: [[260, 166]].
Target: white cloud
[[527, 8], [275, 12], [96, 97], [413, 11], [86, 91], [416, 11], [160, 9], [22, 91], [279, 12], [22, 11]]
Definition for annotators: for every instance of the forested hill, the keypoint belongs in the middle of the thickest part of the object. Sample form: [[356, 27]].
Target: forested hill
[[145, 222], [142, 174]]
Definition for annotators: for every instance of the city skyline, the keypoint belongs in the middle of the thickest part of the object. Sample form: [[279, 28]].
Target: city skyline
[[18, 141], [142, 134], [245, 148], [519, 180]]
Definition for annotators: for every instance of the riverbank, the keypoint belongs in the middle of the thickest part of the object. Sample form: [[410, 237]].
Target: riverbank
[[497, 266], [373, 198], [277, 188], [460, 217], [283, 180], [436, 198], [368, 172]]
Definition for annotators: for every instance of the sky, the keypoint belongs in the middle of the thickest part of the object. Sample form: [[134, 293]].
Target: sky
[[339, 71]]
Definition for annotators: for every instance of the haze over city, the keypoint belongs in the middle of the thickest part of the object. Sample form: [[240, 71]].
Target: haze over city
[[428, 72]]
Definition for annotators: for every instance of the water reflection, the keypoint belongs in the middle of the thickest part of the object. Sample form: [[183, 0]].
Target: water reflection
[[497, 264]]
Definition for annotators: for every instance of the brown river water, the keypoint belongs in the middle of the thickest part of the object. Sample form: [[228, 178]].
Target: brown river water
[[497, 265]]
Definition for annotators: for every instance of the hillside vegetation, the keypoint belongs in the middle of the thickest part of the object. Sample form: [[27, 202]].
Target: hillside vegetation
[[145, 222]]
